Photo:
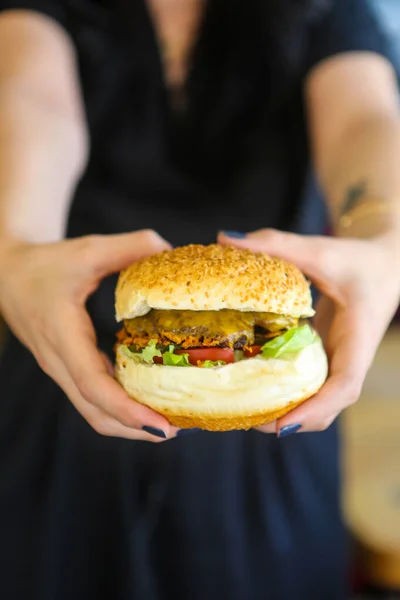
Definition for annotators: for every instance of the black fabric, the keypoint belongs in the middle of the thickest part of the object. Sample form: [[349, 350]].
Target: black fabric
[[350, 26], [51, 8], [236, 516]]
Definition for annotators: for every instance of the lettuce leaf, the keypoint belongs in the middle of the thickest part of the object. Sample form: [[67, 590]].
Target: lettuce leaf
[[126, 350], [148, 353], [175, 360], [169, 358], [238, 355], [208, 364], [291, 341]]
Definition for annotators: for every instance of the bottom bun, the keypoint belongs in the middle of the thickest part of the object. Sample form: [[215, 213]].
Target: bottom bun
[[240, 395]]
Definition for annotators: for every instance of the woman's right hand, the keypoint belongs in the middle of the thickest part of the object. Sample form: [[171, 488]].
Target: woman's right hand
[[43, 292]]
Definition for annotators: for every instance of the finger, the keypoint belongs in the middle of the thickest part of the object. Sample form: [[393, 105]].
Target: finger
[[83, 362], [325, 311], [108, 363], [318, 257], [318, 413], [98, 420], [352, 352], [112, 253], [299, 249], [267, 428]]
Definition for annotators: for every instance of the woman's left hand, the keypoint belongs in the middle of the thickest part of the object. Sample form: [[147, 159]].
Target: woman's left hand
[[360, 284]]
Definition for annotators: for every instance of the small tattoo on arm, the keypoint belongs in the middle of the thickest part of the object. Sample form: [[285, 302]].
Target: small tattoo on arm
[[354, 194]]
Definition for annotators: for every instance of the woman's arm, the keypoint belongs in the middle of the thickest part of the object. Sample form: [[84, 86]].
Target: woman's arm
[[43, 137], [45, 282], [354, 118], [355, 133]]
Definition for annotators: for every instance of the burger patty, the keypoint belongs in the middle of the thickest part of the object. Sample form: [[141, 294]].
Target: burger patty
[[193, 329]]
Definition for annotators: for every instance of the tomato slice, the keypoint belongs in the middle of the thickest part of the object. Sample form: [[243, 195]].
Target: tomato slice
[[252, 351], [202, 354]]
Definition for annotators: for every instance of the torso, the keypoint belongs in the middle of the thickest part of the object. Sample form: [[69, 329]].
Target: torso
[[234, 516], [176, 23]]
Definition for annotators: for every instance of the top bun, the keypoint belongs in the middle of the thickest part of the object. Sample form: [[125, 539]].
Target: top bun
[[212, 277]]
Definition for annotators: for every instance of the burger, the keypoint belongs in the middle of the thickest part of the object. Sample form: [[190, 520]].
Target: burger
[[215, 337]]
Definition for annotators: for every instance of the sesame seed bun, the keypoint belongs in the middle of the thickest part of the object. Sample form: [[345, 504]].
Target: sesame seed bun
[[212, 278], [235, 396]]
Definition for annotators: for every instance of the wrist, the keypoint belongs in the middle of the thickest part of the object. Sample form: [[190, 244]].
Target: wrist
[[373, 228], [374, 217], [8, 245], [390, 240], [7, 242]]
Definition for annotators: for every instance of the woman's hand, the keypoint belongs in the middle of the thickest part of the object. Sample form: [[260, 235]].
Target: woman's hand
[[43, 291], [360, 283]]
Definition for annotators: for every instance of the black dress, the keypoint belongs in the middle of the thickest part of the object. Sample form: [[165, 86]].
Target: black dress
[[235, 516]]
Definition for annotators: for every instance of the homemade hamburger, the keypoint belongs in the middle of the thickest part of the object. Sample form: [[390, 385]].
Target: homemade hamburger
[[213, 337]]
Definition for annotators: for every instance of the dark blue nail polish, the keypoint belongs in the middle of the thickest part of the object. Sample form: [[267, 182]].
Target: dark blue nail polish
[[289, 429], [153, 431], [187, 431], [234, 234]]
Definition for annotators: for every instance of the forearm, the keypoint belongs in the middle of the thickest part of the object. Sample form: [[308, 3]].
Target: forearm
[[43, 140], [362, 180], [42, 154]]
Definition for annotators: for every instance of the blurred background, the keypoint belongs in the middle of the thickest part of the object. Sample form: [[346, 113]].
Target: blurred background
[[371, 451], [389, 11], [371, 446]]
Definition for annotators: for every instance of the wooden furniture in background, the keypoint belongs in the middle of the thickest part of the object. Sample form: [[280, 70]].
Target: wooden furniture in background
[[372, 467]]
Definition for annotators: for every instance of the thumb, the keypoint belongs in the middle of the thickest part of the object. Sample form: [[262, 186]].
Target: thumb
[[112, 253], [108, 364], [316, 256]]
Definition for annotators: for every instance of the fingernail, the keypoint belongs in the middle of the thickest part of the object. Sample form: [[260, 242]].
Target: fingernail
[[187, 431], [153, 431], [289, 429], [234, 234]]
